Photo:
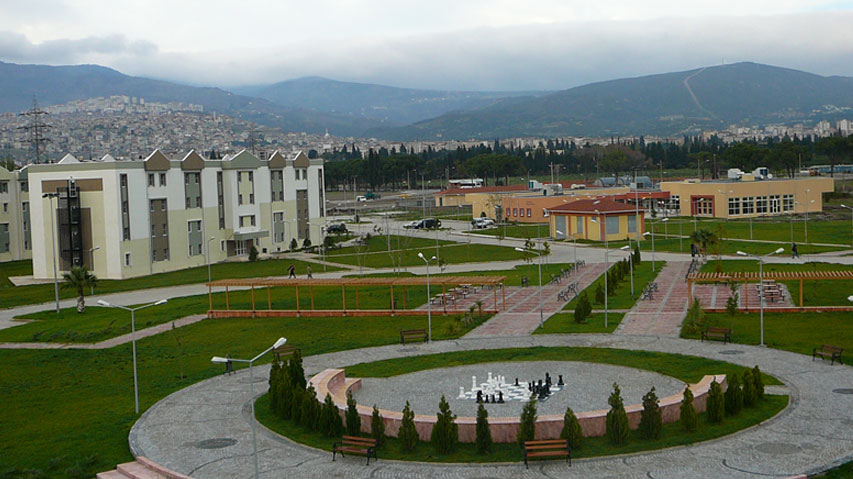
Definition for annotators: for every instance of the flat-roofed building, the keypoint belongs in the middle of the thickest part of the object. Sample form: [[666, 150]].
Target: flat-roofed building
[[15, 225]]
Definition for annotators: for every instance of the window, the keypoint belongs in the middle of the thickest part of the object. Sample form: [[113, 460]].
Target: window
[[761, 204], [251, 198], [166, 253], [162, 179], [675, 202], [748, 204], [239, 199], [127, 259], [152, 207], [788, 203], [25, 187], [515, 211], [150, 179], [579, 224], [734, 206], [528, 213], [163, 205], [5, 207], [612, 224], [153, 230], [278, 227], [165, 229], [194, 237], [775, 204], [187, 179], [632, 224], [4, 186], [248, 220], [222, 245], [251, 177]]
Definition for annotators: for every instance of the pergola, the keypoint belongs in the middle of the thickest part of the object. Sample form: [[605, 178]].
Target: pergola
[[753, 277], [445, 282]]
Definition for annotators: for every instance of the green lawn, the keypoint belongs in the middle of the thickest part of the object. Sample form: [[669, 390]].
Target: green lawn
[[766, 229], [516, 231], [19, 295], [622, 299], [564, 323], [68, 408], [727, 247], [404, 252], [844, 471], [796, 332]]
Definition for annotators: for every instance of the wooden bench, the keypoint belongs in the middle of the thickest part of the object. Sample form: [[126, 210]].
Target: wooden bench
[[717, 333], [284, 351], [413, 335], [828, 351], [355, 445], [547, 448]]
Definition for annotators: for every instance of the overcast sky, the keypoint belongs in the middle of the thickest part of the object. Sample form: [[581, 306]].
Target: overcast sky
[[442, 44]]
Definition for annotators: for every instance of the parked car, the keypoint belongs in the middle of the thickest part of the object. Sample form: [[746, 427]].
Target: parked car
[[426, 223], [360, 198], [412, 224], [372, 196], [337, 229]]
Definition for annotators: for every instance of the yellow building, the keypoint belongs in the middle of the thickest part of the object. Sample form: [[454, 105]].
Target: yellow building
[[747, 198], [595, 219]]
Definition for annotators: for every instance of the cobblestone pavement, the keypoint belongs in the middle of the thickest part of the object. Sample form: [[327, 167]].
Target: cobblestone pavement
[[663, 313], [814, 433]]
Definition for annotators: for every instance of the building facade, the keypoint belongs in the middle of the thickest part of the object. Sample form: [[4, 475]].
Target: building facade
[[595, 220], [123, 219], [15, 225]]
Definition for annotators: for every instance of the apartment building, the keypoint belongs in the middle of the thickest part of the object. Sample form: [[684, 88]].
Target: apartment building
[[123, 219], [15, 226]]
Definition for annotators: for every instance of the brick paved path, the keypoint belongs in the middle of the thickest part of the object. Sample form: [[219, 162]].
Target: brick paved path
[[522, 314], [716, 295], [663, 314]]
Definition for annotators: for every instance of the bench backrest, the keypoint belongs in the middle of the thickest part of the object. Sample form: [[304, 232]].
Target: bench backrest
[[359, 441], [407, 332], [831, 349], [719, 330], [547, 443]]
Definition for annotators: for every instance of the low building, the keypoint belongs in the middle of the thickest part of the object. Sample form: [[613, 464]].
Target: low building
[[122, 219], [532, 207], [15, 226], [595, 220]]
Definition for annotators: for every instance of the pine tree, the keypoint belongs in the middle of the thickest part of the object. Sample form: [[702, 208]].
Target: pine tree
[[297, 397], [716, 406], [749, 396], [408, 434], [484, 434], [572, 431], [297, 373], [734, 395], [759, 383], [617, 418], [445, 432], [689, 419], [377, 427], [599, 294], [274, 394], [330, 418], [285, 393], [650, 418], [353, 419], [309, 408], [527, 427], [582, 308]]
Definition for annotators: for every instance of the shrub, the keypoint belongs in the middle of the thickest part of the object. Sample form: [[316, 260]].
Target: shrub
[[734, 395], [527, 427], [377, 427], [572, 431], [689, 419], [650, 418], [715, 403], [408, 435], [731, 303], [309, 416], [297, 399], [275, 397], [599, 294], [749, 396], [695, 318], [253, 254], [297, 373], [759, 383], [583, 308], [484, 434], [285, 392], [445, 432], [637, 257], [306, 243], [293, 244], [353, 419], [617, 418], [330, 419]]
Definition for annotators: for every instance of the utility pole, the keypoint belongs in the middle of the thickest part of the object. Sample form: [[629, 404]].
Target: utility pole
[[35, 128]]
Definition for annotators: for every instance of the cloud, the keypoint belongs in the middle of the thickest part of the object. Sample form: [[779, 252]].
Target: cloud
[[16, 47]]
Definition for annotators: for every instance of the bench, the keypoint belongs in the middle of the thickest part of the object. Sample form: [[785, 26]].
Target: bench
[[355, 445], [717, 333], [284, 351], [828, 351], [524, 281], [547, 448], [413, 335]]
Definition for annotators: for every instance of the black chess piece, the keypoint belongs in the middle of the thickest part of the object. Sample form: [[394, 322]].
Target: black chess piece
[[547, 389], [500, 397], [493, 399], [547, 379], [516, 381], [487, 398], [540, 384], [560, 381], [530, 387], [479, 397], [542, 394]]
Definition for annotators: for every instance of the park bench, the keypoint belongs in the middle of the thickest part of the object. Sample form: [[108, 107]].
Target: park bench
[[828, 351], [284, 351], [413, 335], [717, 333], [524, 281], [547, 448], [355, 445], [647, 294]]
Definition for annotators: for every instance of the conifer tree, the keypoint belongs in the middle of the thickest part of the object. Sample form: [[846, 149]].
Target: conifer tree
[[377, 427], [759, 383], [734, 395], [582, 309], [330, 418], [689, 419], [749, 396], [599, 294], [650, 418], [484, 434], [285, 392], [309, 408], [572, 431], [527, 426], [353, 419], [445, 431], [617, 418], [274, 394], [716, 405], [297, 373], [408, 434]]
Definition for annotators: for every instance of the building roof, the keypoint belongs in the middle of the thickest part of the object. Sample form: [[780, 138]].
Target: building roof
[[603, 205], [643, 195], [483, 189]]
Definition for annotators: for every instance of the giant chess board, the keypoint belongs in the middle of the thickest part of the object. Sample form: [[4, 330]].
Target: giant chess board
[[496, 389]]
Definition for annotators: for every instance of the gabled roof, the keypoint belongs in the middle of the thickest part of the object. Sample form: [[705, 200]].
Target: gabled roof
[[108, 159], [602, 205], [157, 161], [244, 159], [68, 158], [277, 160], [192, 161], [301, 160]]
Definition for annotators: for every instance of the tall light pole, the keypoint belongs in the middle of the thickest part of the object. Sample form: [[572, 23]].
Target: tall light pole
[[207, 250], [220, 359], [651, 233], [91, 252], [53, 246], [541, 314], [133, 339], [761, 283], [631, 263], [851, 222], [806, 224], [606, 258], [429, 306]]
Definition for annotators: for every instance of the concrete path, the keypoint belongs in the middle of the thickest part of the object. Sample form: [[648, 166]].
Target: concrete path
[[663, 314], [814, 433]]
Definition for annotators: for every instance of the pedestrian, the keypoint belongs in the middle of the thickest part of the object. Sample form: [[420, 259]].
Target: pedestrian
[[794, 253], [692, 250], [308, 271], [292, 271]]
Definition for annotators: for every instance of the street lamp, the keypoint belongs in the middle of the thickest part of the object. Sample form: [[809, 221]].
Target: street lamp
[[133, 338], [429, 307], [851, 221], [761, 283], [53, 246], [221, 360], [207, 250], [806, 224], [91, 252], [541, 314], [606, 260], [631, 263]]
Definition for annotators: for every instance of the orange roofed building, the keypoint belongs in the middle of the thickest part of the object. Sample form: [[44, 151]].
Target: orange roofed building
[[593, 219]]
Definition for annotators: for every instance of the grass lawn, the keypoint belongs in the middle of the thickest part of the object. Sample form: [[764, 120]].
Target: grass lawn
[[565, 323], [844, 471], [622, 299], [728, 247], [73, 409], [796, 332], [767, 229], [404, 252], [19, 295], [516, 231]]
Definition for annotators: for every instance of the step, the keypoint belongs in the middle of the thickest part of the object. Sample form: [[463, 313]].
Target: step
[[135, 470], [114, 474]]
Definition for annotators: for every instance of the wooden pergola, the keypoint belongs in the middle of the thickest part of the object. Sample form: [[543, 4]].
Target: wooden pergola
[[753, 277], [445, 282]]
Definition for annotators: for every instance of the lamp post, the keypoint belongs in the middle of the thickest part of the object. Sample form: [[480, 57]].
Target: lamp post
[[429, 307], [207, 250], [806, 224], [761, 283], [53, 246], [631, 264], [133, 339], [851, 221], [221, 360], [541, 314], [606, 260], [91, 252]]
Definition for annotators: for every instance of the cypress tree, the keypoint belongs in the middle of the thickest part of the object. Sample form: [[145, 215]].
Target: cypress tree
[[274, 394], [599, 294], [689, 419], [749, 396], [330, 418], [759, 383], [445, 432], [572, 431], [527, 427], [408, 435], [582, 308], [309, 408], [297, 397], [297, 373], [353, 419], [734, 395], [285, 392], [617, 418], [715, 403], [650, 418], [377, 427], [484, 434]]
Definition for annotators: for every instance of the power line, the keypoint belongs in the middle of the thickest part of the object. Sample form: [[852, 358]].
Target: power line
[[35, 128]]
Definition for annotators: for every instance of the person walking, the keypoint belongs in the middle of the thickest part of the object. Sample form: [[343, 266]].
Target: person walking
[[308, 271], [292, 271], [794, 253]]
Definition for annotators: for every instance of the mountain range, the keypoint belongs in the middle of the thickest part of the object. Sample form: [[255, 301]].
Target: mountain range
[[663, 104]]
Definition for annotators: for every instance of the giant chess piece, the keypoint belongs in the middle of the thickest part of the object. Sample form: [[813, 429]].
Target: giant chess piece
[[560, 381], [516, 381], [493, 399], [500, 397], [461, 393], [473, 382], [530, 387], [479, 397], [547, 379]]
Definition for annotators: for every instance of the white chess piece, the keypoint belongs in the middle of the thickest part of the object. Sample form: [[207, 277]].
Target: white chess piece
[[473, 383], [490, 377], [461, 393]]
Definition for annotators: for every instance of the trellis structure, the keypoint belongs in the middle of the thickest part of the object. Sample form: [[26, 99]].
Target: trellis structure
[[493, 282], [753, 277]]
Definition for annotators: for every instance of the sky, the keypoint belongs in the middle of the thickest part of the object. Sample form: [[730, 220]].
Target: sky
[[440, 44]]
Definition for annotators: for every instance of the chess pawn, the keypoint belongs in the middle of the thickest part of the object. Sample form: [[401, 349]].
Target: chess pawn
[[473, 382], [479, 397], [540, 384], [500, 397], [490, 377], [461, 392], [560, 381], [516, 381], [493, 398]]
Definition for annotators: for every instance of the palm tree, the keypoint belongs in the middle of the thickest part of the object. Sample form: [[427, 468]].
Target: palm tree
[[78, 279], [704, 239]]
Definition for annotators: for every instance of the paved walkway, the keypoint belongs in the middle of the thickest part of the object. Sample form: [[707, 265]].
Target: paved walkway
[[522, 314], [814, 433], [663, 314]]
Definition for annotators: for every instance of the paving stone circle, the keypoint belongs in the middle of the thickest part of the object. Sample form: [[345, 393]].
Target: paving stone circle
[[778, 448], [216, 443]]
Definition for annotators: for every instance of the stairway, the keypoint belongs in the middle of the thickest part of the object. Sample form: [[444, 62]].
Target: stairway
[[141, 468]]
